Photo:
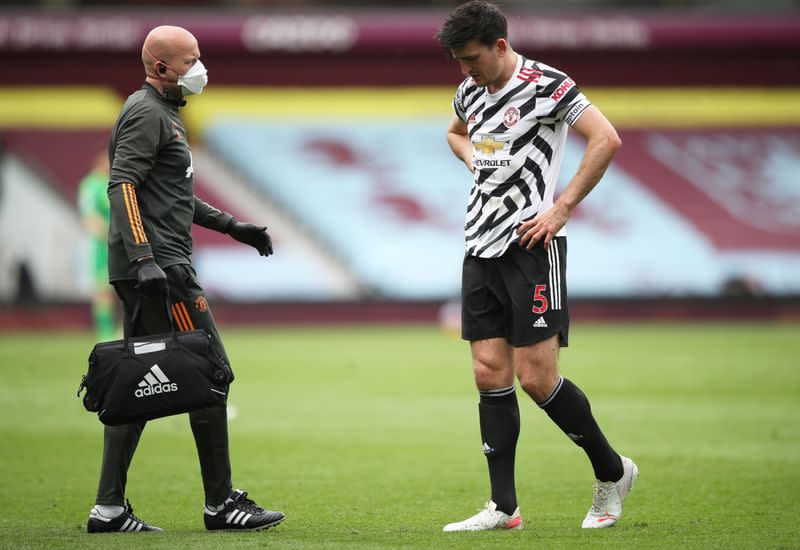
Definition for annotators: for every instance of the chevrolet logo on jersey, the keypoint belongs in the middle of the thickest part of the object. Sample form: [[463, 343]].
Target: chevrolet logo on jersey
[[487, 145]]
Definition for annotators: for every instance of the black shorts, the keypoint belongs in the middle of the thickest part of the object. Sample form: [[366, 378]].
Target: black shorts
[[520, 296]]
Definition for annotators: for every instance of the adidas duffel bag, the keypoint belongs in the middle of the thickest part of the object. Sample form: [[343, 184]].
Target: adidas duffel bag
[[138, 379]]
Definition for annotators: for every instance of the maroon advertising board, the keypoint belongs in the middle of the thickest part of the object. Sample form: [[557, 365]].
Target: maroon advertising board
[[399, 48]]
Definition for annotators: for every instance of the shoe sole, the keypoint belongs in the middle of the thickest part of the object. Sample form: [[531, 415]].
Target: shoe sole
[[517, 527], [96, 531], [259, 528], [123, 532]]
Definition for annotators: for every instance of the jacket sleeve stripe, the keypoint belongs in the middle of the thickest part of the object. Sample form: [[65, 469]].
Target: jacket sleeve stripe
[[182, 305], [180, 313], [132, 205], [130, 214], [137, 214], [178, 320]]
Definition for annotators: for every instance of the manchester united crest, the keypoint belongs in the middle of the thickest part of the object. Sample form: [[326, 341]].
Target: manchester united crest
[[201, 304], [178, 133], [511, 117]]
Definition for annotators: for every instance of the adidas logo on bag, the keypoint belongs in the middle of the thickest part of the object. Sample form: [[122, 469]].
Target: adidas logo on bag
[[155, 382]]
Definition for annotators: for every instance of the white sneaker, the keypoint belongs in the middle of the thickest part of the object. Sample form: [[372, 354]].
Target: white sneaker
[[608, 497], [488, 518]]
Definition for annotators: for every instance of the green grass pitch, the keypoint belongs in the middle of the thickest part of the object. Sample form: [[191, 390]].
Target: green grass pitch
[[368, 438]]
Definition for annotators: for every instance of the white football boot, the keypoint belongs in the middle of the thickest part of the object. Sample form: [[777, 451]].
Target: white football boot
[[488, 518], [608, 497]]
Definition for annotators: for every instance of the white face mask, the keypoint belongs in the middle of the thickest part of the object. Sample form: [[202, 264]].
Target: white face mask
[[194, 80]]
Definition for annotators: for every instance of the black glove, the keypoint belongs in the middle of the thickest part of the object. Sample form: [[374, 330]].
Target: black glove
[[255, 236], [152, 279]]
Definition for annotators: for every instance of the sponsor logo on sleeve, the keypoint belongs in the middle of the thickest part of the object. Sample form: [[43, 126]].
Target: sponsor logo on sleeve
[[565, 86]]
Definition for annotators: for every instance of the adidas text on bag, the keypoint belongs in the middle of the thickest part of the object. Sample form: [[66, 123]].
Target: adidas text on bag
[[155, 382]]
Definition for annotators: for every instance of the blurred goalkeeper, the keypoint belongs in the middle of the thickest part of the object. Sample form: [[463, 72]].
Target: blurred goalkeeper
[[95, 212], [153, 207]]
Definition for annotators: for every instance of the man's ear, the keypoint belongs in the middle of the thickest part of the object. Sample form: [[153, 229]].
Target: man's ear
[[502, 46]]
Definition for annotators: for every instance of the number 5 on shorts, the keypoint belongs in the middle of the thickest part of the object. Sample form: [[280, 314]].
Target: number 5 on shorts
[[539, 299]]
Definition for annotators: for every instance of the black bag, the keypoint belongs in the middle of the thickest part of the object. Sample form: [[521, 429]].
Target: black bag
[[147, 377]]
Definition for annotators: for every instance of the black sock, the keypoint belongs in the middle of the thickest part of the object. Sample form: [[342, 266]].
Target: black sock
[[569, 408], [499, 417]]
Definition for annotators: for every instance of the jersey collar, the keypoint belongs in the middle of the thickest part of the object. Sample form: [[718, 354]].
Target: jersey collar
[[174, 102]]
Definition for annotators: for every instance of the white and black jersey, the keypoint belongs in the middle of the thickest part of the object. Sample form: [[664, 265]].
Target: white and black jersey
[[518, 136]]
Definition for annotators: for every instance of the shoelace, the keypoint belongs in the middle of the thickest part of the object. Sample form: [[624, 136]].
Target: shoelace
[[600, 498], [247, 505], [129, 509]]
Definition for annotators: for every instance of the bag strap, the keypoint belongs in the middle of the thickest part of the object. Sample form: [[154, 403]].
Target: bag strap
[[136, 318], [82, 385]]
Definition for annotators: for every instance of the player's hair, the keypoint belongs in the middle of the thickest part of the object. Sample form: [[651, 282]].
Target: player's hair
[[474, 20]]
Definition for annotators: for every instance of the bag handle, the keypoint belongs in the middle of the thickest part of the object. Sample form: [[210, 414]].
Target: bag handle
[[137, 316]]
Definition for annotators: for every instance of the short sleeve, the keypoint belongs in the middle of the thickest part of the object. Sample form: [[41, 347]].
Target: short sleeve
[[458, 104], [562, 98]]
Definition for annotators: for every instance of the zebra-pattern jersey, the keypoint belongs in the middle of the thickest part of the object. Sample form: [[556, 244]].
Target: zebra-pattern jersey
[[518, 136]]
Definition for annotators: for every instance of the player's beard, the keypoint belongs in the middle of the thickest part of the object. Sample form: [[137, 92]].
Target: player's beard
[[482, 81]]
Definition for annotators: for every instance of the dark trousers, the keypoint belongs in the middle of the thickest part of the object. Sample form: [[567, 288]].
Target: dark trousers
[[209, 426]]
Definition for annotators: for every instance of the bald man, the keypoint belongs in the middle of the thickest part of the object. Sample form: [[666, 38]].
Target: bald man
[[153, 206]]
